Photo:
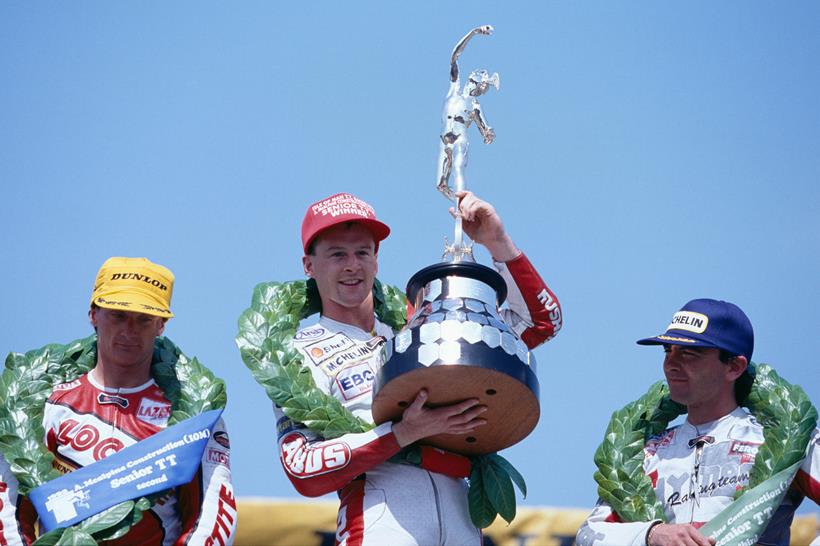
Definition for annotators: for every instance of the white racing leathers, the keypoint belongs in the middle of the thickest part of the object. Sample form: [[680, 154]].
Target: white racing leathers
[[695, 471], [385, 503]]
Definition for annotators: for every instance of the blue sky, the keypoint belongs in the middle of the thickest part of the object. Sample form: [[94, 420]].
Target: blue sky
[[646, 154]]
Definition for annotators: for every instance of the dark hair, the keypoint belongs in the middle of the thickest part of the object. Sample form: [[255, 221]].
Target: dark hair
[[743, 384]]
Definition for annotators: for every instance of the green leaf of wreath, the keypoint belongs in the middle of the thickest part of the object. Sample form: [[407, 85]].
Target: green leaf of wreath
[[28, 380], [482, 512]]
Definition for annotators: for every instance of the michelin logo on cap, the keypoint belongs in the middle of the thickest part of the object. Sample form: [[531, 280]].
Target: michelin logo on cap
[[689, 321]]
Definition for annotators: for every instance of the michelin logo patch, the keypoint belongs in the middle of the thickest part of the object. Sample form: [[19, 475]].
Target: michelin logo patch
[[689, 321], [355, 381]]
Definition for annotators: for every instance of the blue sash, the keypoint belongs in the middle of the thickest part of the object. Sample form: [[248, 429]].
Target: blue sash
[[169, 458]]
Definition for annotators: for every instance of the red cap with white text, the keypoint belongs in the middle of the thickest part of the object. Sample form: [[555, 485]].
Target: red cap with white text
[[339, 209]]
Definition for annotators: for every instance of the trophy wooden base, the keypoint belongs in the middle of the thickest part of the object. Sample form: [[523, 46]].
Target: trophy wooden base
[[512, 406]]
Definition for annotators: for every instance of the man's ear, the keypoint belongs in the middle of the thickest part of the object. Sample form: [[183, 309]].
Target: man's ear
[[307, 265], [92, 317], [736, 367]]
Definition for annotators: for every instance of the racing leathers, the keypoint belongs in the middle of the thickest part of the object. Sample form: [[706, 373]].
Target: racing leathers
[[695, 470], [383, 502], [85, 422]]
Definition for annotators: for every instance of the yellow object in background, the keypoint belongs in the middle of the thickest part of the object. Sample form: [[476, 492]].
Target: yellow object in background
[[269, 522]]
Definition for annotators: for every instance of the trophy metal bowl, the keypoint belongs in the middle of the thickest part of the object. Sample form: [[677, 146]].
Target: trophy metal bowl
[[456, 346]]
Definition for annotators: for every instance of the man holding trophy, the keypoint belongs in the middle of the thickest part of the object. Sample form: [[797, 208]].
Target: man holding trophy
[[383, 502], [339, 428]]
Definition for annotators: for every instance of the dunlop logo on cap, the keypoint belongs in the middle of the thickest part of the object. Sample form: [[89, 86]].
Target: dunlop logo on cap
[[689, 321]]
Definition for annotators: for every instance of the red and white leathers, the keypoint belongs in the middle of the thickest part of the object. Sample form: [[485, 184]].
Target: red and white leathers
[[85, 422], [695, 471], [382, 502]]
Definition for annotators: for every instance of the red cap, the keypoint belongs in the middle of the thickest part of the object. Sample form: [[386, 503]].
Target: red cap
[[339, 209]]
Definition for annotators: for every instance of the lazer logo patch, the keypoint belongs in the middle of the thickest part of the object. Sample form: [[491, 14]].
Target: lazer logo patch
[[103, 399], [303, 461], [154, 411], [355, 381], [689, 321]]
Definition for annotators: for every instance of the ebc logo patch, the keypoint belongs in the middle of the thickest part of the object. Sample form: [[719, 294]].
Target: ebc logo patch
[[312, 332], [324, 349], [154, 411], [303, 461], [355, 381]]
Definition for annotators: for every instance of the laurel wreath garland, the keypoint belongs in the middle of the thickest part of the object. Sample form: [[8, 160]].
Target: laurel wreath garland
[[265, 341], [28, 380], [784, 410]]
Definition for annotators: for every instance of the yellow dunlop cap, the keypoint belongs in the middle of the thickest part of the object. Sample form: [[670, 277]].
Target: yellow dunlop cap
[[134, 284]]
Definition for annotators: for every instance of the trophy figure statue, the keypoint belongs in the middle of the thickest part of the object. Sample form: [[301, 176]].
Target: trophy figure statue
[[461, 109], [456, 344]]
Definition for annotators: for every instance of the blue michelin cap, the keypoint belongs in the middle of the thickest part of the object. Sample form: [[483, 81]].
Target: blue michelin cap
[[709, 323]]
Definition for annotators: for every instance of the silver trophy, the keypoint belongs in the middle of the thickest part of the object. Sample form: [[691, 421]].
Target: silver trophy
[[456, 345]]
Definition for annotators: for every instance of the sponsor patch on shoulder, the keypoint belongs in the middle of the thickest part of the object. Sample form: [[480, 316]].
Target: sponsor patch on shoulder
[[67, 386], [218, 457], [661, 440], [153, 411], [355, 381], [286, 425], [221, 438], [311, 332]]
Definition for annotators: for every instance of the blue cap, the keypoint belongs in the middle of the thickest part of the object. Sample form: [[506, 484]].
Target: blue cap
[[709, 323]]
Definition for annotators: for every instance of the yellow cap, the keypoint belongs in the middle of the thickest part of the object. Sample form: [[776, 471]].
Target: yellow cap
[[134, 284]]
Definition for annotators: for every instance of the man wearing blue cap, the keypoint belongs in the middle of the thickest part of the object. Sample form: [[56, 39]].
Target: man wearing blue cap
[[696, 467]]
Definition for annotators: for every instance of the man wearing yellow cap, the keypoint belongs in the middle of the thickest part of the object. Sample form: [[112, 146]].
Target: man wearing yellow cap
[[118, 403]]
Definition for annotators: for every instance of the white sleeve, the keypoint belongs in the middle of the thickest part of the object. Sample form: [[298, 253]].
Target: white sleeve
[[207, 504], [599, 529], [9, 529]]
